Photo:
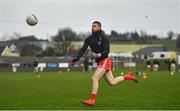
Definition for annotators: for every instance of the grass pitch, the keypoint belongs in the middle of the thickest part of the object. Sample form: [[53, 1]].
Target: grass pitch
[[66, 90]]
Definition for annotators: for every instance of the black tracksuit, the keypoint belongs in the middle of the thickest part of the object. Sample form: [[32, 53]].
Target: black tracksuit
[[35, 63], [98, 43]]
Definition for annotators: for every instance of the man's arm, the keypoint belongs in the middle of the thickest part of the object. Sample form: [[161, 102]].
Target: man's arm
[[105, 52], [81, 52]]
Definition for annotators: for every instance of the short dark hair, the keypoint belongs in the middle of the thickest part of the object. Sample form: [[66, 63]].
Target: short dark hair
[[97, 22]]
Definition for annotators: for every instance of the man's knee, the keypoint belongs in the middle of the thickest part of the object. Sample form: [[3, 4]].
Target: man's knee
[[97, 75], [113, 82], [95, 78]]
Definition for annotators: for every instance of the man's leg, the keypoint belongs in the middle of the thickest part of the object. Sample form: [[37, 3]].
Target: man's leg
[[154, 68], [95, 85], [113, 81], [95, 79], [37, 72], [173, 69]]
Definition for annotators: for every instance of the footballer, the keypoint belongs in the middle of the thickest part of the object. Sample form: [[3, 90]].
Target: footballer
[[36, 68], [100, 45]]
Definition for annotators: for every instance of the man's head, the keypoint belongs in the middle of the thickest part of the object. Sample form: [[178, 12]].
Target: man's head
[[96, 26]]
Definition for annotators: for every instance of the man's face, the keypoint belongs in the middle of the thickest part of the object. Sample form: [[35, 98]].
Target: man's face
[[95, 28]]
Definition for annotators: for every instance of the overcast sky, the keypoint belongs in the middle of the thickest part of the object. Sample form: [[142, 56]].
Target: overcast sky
[[153, 16]]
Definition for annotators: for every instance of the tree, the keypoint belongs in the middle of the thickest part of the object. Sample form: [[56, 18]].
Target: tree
[[63, 39], [154, 37], [22, 41], [170, 35], [135, 36], [144, 38], [48, 52], [114, 33], [30, 50], [28, 38], [115, 36], [178, 41], [11, 37]]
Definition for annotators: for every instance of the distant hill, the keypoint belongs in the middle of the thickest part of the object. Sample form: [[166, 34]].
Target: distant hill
[[118, 48], [169, 44]]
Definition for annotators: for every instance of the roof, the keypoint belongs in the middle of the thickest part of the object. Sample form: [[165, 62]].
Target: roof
[[150, 50], [2, 48]]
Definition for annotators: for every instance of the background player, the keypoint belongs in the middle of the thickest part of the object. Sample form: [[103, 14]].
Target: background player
[[36, 68]]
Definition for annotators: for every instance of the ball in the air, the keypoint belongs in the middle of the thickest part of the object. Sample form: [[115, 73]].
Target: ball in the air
[[31, 20]]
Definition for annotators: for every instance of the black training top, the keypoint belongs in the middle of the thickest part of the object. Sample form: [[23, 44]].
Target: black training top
[[35, 63], [98, 43]]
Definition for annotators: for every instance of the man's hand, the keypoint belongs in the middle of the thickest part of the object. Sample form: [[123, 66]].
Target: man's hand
[[97, 55], [74, 60]]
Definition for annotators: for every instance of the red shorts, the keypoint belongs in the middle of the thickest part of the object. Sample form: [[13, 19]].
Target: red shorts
[[106, 64]]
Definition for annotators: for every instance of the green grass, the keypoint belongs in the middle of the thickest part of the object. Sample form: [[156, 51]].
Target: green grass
[[117, 48], [67, 90], [171, 44]]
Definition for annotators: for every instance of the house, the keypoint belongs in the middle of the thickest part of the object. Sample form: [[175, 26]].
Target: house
[[7, 49]]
